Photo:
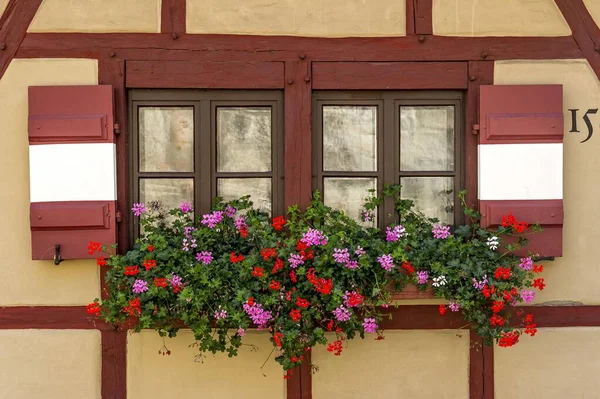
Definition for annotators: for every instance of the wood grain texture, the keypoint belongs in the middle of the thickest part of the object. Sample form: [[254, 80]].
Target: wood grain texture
[[147, 46], [298, 155], [114, 364], [480, 73], [49, 318], [205, 75], [14, 23], [173, 18], [584, 29], [112, 72], [389, 75], [476, 366], [410, 17], [424, 17]]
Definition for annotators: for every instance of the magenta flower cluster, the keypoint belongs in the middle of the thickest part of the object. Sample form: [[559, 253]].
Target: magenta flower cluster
[[220, 313], [455, 307], [188, 231], [140, 286], [422, 276], [138, 208], [204, 257], [369, 325], [527, 295], [341, 255], [240, 223], [212, 219], [185, 207], [394, 234], [367, 215], [314, 237], [440, 231], [341, 313], [479, 284], [189, 243], [295, 260], [259, 316], [386, 262], [176, 280], [230, 211], [360, 251], [526, 263]]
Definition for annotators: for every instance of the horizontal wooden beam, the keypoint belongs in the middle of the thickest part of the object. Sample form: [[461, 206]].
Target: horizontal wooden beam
[[389, 75], [205, 75], [49, 317], [204, 47]]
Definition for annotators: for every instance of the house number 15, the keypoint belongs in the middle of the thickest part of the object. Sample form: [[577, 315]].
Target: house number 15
[[586, 119]]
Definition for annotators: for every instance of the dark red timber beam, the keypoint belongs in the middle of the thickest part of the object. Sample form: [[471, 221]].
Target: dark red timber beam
[[585, 30], [114, 365], [161, 46], [476, 364], [48, 318], [14, 23], [173, 17], [419, 17]]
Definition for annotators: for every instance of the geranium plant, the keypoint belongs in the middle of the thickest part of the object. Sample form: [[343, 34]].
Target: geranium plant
[[313, 272]]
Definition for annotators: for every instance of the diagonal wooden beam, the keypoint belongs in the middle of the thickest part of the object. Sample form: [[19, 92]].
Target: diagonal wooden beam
[[14, 23], [585, 31]]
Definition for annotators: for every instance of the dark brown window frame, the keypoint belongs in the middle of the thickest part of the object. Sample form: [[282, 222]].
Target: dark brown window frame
[[205, 175], [388, 132]]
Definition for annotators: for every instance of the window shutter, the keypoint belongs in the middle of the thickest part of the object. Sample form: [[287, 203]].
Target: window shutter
[[521, 160], [72, 169]]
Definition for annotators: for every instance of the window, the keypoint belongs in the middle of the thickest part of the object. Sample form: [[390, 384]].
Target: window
[[364, 140], [195, 145]]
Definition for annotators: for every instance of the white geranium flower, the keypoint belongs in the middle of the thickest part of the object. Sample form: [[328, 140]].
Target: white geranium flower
[[439, 281], [492, 243]]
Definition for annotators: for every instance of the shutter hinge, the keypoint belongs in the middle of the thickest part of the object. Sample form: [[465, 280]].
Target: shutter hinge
[[475, 130], [117, 128], [118, 217]]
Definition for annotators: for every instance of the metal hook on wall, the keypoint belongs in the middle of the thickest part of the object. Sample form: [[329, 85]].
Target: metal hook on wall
[[57, 258]]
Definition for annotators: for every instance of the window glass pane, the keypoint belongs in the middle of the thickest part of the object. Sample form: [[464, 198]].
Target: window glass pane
[[347, 194], [350, 138], [434, 196], [166, 137], [170, 192], [259, 190], [427, 138], [243, 139]]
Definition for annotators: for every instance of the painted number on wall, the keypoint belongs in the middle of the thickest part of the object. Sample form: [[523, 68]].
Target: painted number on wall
[[586, 119]]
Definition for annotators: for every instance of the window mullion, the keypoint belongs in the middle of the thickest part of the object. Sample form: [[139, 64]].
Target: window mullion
[[390, 158], [204, 161]]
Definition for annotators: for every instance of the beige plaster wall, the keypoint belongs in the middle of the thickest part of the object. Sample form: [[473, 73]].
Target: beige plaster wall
[[574, 276], [23, 281], [331, 18], [407, 364], [3, 4], [150, 375], [50, 364], [557, 363], [593, 7], [498, 18], [97, 16]]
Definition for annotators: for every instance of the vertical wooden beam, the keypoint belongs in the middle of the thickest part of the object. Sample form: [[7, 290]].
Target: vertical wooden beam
[[585, 31], [480, 73], [173, 17], [410, 17], [424, 17], [488, 372], [114, 364], [112, 72], [476, 367], [297, 168], [15, 21]]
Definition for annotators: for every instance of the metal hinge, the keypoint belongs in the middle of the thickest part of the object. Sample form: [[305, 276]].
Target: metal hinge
[[475, 130], [117, 128], [118, 217]]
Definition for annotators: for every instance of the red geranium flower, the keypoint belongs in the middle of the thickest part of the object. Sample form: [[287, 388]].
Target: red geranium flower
[[497, 306], [502, 273], [497, 320], [100, 261], [293, 276], [235, 258], [278, 223], [257, 272], [354, 299], [93, 309], [94, 246], [275, 285], [408, 267], [295, 314], [250, 301], [151, 248], [131, 270], [531, 329], [244, 233], [133, 308], [539, 283], [277, 337], [303, 303], [336, 347], [538, 268], [442, 309], [268, 253], [277, 266], [160, 282], [508, 339], [529, 318], [508, 220], [149, 263]]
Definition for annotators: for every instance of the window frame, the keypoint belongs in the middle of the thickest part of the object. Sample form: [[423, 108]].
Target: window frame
[[388, 139], [205, 104]]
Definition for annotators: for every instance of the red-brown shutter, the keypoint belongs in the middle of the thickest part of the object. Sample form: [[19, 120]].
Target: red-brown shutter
[[72, 170], [521, 162]]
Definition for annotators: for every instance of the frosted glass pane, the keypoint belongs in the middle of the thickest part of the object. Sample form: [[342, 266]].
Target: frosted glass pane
[[170, 192], [427, 138], [347, 194], [259, 190], [243, 139], [434, 196], [349, 138], [166, 137]]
